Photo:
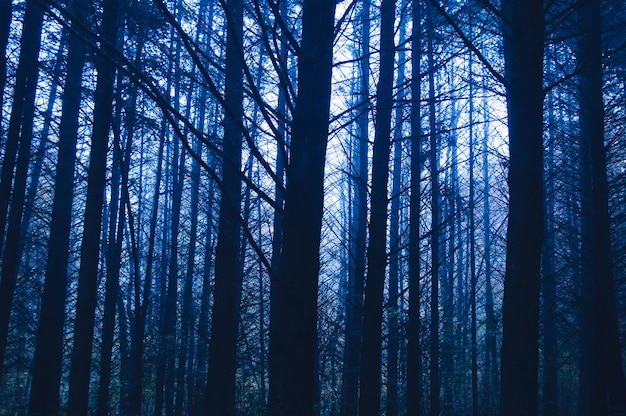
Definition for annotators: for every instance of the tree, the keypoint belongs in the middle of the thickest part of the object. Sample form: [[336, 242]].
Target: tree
[[90, 248], [44, 395], [371, 346], [220, 389], [606, 386], [293, 325], [358, 227], [19, 138], [523, 72], [436, 251], [414, 358]]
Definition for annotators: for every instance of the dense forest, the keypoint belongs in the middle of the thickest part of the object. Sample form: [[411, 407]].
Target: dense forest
[[313, 207]]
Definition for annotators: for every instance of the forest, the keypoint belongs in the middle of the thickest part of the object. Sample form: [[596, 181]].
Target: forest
[[313, 207]]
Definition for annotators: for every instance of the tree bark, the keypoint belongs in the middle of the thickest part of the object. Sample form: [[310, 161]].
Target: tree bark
[[607, 388], [358, 229], [44, 394], [549, 398], [414, 353], [80, 369], [371, 346], [220, 389], [435, 232], [19, 138], [293, 337], [523, 53]]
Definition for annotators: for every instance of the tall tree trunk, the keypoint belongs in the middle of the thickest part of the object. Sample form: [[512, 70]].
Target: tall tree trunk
[[293, 335], [113, 255], [523, 53], [472, 243], [159, 379], [19, 137], [549, 402], [607, 392], [371, 346], [490, 383], [435, 252], [220, 389], [358, 229], [414, 353], [395, 243], [80, 369], [44, 394], [203, 325]]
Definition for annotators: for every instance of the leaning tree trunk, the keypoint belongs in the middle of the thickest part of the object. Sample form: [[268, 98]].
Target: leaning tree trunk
[[44, 394], [523, 53], [19, 138]]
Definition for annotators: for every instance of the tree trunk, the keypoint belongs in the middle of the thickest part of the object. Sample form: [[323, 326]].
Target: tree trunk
[[607, 389], [293, 338], [371, 346], [220, 389], [472, 243], [414, 354], [80, 369], [44, 394], [19, 137], [358, 230], [523, 53], [113, 255], [436, 250], [395, 242], [490, 378], [549, 398]]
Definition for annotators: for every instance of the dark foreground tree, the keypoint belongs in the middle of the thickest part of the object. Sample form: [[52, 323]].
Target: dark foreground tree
[[605, 392], [86, 303], [293, 332], [18, 144], [523, 54], [220, 388], [44, 393], [371, 346]]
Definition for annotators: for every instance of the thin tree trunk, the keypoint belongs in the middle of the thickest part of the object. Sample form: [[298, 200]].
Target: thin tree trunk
[[19, 137], [414, 353], [358, 230], [523, 53], [371, 346], [549, 402], [490, 382], [44, 394], [435, 252], [392, 405], [113, 254], [80, 369], [472, 244]]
